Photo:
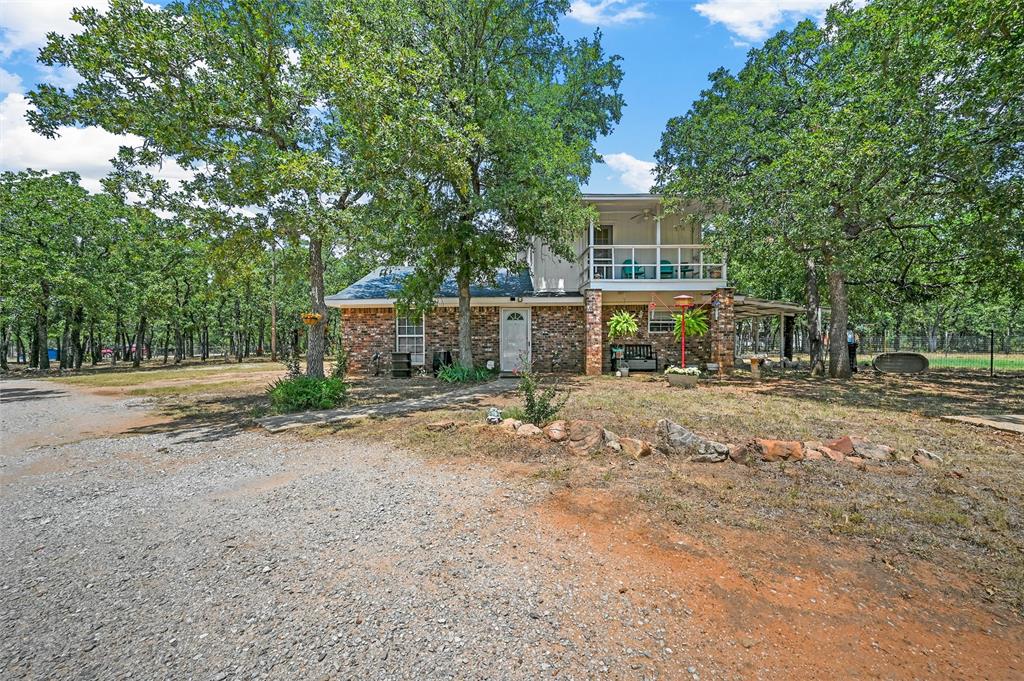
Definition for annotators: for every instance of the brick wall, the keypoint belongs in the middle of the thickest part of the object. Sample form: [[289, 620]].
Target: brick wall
[[367, 330], [441, 332], [557, 337], [664, 343], [722, 334]]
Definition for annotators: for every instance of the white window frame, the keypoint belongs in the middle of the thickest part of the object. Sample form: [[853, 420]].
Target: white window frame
[[651, 321], [422, 335]]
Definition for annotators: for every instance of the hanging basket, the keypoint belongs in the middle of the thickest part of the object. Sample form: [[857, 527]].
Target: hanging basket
[[311, 318]]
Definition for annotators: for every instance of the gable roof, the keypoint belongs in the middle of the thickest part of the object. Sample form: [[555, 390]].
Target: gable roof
[[386, 284]]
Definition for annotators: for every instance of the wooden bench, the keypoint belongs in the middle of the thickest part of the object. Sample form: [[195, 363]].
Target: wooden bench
[[640, 357]]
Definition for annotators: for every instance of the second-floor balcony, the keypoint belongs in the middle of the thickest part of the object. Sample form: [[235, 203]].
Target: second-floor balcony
[[640, 264]]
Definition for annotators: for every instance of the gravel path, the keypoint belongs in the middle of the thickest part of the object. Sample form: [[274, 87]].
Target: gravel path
[[170, 555]]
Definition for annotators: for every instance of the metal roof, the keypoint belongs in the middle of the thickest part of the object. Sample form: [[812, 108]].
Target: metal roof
[[748, 306]]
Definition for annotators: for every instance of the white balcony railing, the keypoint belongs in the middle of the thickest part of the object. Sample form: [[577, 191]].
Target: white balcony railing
[[646, 262]]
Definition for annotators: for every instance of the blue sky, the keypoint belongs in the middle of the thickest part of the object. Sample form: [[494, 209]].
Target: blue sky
[[667, 47]]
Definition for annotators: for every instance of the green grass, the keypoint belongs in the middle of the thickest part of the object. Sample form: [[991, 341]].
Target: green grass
[[1002, 363]]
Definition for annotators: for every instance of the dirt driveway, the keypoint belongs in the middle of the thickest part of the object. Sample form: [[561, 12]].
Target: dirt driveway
[[149, 549]]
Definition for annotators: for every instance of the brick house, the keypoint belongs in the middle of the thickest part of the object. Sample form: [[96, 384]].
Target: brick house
[[553, 313]]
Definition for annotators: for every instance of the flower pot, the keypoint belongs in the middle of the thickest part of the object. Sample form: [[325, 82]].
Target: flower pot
[[682, 380], [623, 370]]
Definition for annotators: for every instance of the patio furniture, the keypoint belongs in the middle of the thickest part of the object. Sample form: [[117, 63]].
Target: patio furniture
[[640, 357], [668, 270], [631, 270]]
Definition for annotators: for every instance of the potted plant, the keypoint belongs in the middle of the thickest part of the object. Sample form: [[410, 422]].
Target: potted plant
[[683, 378], [621, 324]]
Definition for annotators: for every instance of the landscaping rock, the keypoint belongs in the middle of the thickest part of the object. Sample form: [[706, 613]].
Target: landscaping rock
[[833, 454], [931, 455], [438, 426], [780, 450], [528, 430], [745, 453], [511, 425], [609, 436], [636, 448], [813, 455], [924, 461], [870, 450], [585, 437], [856, 462], [556, 431], [674, 439], [614, 445], [843, 445]]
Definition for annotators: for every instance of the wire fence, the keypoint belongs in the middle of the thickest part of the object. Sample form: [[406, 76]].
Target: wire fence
[[993, 352]]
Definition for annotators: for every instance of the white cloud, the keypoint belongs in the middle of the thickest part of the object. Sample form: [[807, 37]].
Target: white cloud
[[9, 82], [633, 173], [755, 20], [86, 151], [608, 12], [24, 23]]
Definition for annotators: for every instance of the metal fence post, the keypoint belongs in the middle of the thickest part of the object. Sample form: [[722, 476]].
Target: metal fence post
[[992, 352]]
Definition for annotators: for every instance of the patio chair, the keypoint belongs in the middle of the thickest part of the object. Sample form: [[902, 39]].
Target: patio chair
[[668, 270], [631, 270]]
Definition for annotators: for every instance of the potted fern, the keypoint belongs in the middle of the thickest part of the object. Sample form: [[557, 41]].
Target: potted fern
[[621, 324], [696, 321]]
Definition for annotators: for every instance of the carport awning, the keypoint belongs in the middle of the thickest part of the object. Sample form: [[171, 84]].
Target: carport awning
[[745, 307]]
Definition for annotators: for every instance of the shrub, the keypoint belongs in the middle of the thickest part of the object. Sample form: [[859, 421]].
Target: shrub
[[301, 393], [622, 324], [456, 373], [540, 407], [516, 413]]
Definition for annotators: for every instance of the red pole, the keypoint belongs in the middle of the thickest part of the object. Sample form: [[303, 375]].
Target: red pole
[[683, 301]]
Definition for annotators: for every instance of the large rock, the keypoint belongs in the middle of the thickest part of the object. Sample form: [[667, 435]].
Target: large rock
[[673, 439], [528, 430], [780, 450], [556, 431], [585, 437], [636, 448]]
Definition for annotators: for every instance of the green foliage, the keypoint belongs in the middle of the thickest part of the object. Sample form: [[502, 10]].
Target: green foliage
[[508, 136], [622, 324], [302, 393], [514, 412], [696, 323], [878, 153], [540, 406], [456, 373], [340, 369]]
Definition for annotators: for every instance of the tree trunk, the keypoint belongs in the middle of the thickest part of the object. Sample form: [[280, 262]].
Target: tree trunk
[[76, 338], [140, 342], [42, 349], [273, 300], [237, 335], [5, 345], [817, 351], [167, 339], [465, 331], [315, 340], [179, 344], [838, 354]]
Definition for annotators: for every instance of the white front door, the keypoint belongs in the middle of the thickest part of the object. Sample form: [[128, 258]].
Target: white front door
[[515, 338]]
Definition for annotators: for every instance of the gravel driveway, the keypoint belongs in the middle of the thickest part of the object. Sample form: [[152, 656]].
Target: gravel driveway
[[165, 553]]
